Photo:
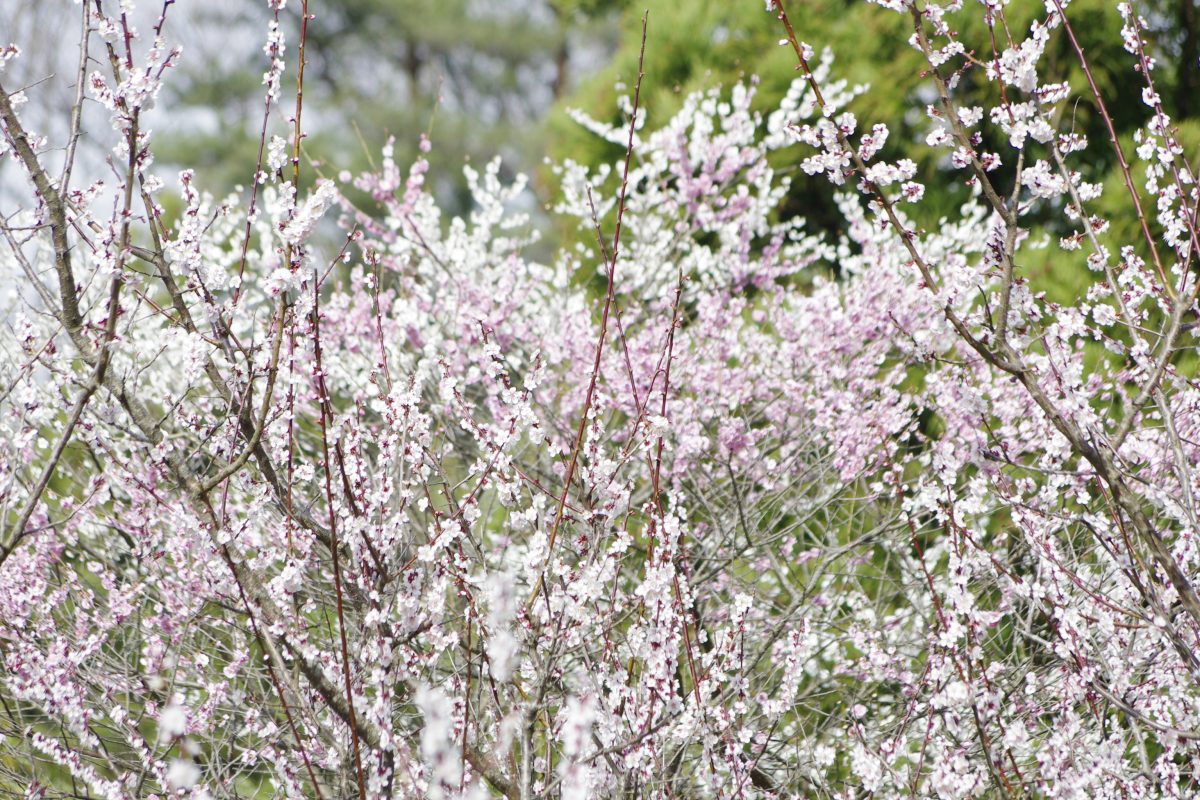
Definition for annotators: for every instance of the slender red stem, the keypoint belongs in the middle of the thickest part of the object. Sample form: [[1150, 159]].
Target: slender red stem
[[608, 304]]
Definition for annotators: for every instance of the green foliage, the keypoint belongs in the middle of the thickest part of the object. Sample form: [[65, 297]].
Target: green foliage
[[477, 79], [695, 44]]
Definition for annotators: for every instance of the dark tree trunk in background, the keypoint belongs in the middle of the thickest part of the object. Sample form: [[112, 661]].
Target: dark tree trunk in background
[[1188, 86], [561, 61], [412, 67]]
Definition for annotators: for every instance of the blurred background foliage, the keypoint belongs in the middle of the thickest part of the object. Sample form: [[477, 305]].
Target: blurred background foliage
[[695, 44], [478, 78], [495, 77]]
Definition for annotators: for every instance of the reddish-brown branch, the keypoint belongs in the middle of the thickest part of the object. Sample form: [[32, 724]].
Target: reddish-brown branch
[[601, 338]]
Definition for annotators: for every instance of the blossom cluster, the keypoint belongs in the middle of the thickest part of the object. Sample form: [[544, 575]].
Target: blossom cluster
[[304, 498]]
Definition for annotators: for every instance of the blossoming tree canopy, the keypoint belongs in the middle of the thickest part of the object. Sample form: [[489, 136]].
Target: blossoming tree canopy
[[303, 498]]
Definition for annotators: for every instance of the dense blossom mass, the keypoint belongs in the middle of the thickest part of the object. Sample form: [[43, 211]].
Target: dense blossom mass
[[707, 504]]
